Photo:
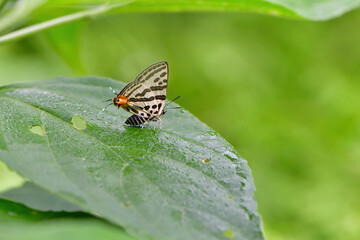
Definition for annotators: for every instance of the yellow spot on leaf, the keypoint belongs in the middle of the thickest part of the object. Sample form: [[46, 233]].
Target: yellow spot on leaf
[[229, 234], [78, 122], [38, 130]]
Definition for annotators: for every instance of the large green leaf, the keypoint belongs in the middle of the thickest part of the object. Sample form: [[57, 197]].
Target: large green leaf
[[18, 222], [180, 182]]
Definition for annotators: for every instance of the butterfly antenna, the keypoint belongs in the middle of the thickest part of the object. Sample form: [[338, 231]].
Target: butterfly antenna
[[172, 101], [113, 90], [174, 108], [107, 106]]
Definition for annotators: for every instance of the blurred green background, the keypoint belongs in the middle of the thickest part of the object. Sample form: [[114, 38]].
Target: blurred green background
[[284, 93]]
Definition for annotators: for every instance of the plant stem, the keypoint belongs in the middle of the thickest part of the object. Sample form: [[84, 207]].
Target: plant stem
[[57, 21], [2, 4]]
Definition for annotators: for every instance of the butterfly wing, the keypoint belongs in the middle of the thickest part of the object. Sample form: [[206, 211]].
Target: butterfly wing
[[135, 120], [147, 93]]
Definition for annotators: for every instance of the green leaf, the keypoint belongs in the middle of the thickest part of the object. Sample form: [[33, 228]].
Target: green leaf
[[153, 182], [42, 9], [37, 198], [18, 222], [313, 10]]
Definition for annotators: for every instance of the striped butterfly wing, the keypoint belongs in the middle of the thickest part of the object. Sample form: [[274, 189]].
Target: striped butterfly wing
[[147, 93], [135, 120]]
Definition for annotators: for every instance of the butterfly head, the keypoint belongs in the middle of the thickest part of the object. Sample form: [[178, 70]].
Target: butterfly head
[[120, 101]]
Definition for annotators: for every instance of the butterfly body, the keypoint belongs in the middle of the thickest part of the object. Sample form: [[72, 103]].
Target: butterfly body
[[145, 96]]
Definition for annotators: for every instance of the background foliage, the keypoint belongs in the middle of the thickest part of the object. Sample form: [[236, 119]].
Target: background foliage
[[284, 93]]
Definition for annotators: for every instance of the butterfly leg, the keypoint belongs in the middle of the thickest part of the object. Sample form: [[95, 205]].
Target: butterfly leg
[[158, 121], [146, 124]]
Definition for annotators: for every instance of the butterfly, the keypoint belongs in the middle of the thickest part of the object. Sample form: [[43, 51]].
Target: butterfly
[[145, 96]]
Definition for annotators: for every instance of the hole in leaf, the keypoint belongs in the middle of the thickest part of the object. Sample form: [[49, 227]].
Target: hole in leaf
[[78, 122], [205, 160], [38, 130], [229, 234]]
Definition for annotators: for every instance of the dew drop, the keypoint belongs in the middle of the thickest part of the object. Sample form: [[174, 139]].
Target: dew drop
[[211, 133]]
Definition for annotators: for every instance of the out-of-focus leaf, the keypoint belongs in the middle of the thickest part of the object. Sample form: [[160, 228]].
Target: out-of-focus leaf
[[312, 10], [37, 198], [17, 13], [18, 222], [53, 22], [9, 179], [180, 182], [66, 42]]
